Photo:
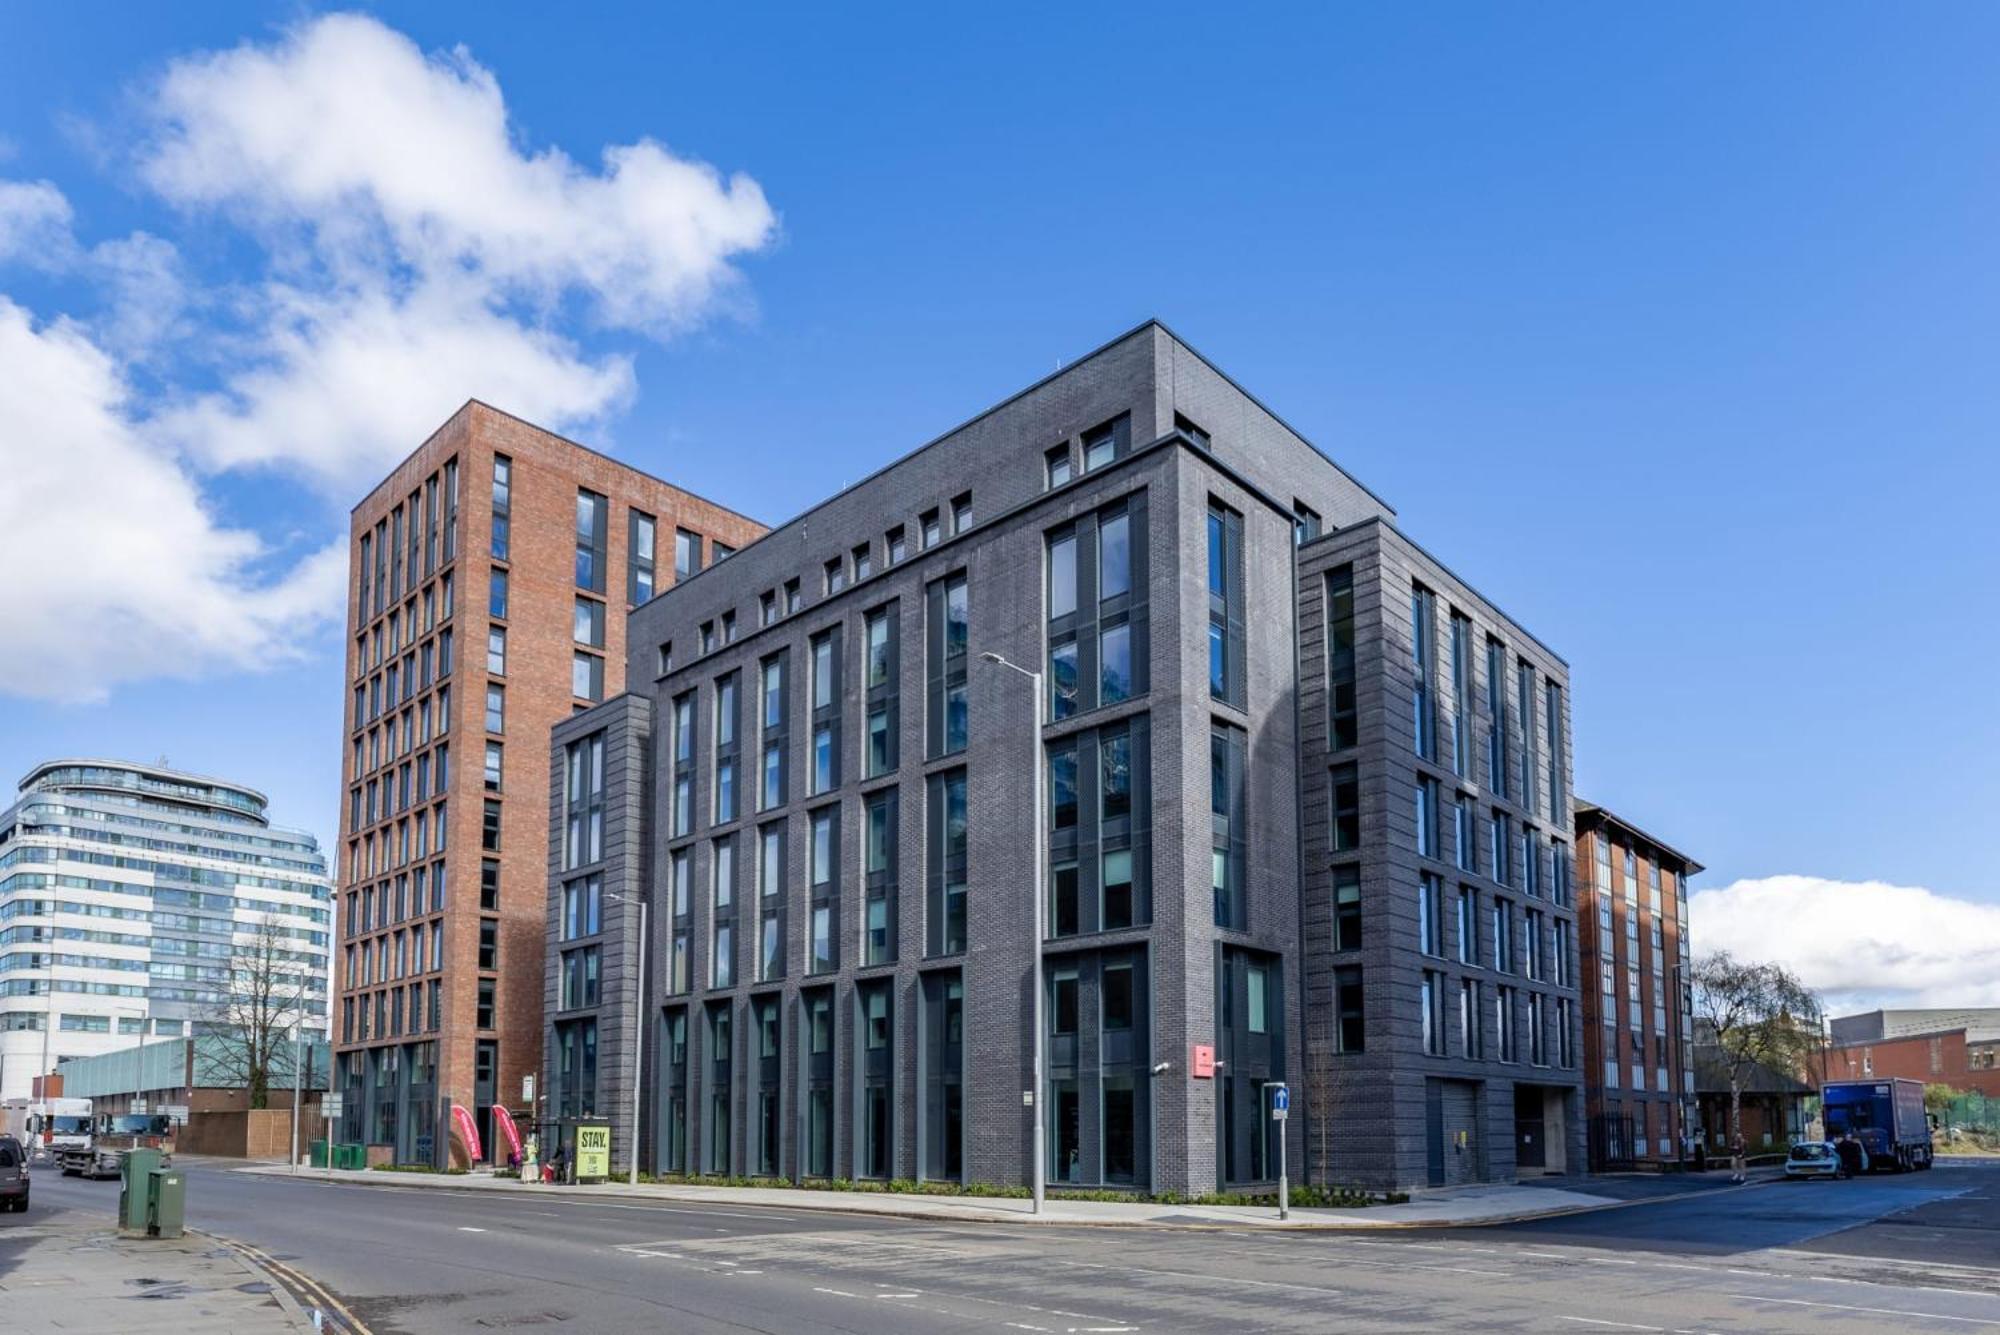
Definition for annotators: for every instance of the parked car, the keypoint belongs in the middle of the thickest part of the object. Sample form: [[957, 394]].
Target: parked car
[[13, 1174], [1814, 1158]]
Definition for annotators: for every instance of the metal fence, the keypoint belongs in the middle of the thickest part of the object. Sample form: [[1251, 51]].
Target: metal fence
[[1971, 1111]]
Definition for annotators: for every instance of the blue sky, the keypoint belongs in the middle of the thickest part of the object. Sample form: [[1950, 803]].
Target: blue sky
[[1673, 330]]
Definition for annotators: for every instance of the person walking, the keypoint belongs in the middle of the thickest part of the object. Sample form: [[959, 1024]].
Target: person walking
[[1737, 1170]]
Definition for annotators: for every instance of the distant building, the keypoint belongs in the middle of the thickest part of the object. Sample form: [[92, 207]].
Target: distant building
[[490, 576], [1777, 1105], [1956, 1047], [1638, 1009], [125, 892], [184, 1077]]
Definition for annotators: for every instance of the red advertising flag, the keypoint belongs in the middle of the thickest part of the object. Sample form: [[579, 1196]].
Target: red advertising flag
[[468, 1130], [505, 1121]]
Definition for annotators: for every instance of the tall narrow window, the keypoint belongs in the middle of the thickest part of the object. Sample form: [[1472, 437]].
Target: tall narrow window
[[683, 768], [771, 902], [1496, 717], [1553, 729], [1225, 605], [1430, 915], [1524, 698], [722, 959], [587, 627], [1423, 671], [687, 553], [1343, 713], [946, 870], [878, 864], [503, 489], [947, 634], [639, 559], [826, 701], [1305, 523], [1427, 817], [1346, 808], [823, 874], [1468, 925], [591, 509], [1461, 695], [726, 711], [1347, 907], [775, 715], [1432, 1000], [1229, 824], [496, 594], [583, 791], [884, 690]]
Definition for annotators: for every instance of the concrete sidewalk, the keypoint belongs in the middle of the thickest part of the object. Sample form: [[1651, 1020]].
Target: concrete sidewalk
[[1451, 1207], [81, 1278]]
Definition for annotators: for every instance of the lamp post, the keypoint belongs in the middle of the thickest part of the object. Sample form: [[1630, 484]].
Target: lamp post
[[638, 1037], [1035, 917], [298, 1079]]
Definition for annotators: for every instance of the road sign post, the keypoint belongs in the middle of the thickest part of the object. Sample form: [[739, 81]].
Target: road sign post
[[1281, 1109]]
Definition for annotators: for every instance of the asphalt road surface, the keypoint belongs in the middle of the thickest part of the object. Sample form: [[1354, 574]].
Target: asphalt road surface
[[1914, 1253]]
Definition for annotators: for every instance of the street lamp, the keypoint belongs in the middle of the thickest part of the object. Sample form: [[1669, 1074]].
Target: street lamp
[[638, 1035], [1040, 859]]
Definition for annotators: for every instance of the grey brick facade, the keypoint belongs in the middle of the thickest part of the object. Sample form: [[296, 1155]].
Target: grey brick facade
[[931, 1083]]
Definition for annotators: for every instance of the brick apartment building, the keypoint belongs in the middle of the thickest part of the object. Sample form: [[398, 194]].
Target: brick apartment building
[[491, 576], [1956, 1047], [1639, 1066], [1296, 770]]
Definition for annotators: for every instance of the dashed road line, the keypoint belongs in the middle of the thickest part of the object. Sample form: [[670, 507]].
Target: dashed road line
[[1872, 1311]]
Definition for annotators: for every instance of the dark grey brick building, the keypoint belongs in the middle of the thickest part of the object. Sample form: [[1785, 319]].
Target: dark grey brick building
[[823, 791]]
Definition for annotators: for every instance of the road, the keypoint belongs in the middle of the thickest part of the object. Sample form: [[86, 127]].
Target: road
[[1779, 1257]]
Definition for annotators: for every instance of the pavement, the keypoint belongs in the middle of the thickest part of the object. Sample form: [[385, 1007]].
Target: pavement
[[1773, 1258], [1483, 1204], [65, 1271]]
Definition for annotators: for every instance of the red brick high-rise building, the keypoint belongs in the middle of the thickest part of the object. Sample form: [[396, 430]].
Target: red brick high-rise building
[[1638, 1021], [492, 572]]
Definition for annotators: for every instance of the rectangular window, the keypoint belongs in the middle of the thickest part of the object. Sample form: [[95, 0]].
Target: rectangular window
[[1427, 816], [1346, 808], [770, 902], [687, 554], [1423, 670], [1503, 936], [1305, 523], [496, 709], [1465, 838], [727, 709], [496, 650], [1500, 846], [1468, 925], [947, 634], [946, 870], [826, 700], [1349, 1001], [580, 970], [1471, 1010], [723, 957], [878, 862], [1556, 808], [961, 512], [1347, 907], [823, 874], [1057, 465], [493, 767], [1430, 915], [775, 718], [589, 623], [1229, 824], [1225, 605], [503, 497], [583, 784], [1503, 1022], [683, 767], [1524, 699], [640, 529], [884, 681], [836, 576], [1102, 444], [1496, 717], [496, 594], [1460, 718], [586, 676], [1432, 1001], [897, 545], [1343, 710], [591, 510]]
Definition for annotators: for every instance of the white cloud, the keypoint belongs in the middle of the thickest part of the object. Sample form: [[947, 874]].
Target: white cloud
[[419, 255], [1862, 944], [116, 570], [405, 252], [34, 224]]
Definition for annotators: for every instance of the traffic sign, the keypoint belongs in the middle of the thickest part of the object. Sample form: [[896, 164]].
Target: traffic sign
[[1281, 1101]]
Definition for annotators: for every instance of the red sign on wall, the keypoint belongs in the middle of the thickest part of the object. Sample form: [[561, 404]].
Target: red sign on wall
[[1204, 1061]]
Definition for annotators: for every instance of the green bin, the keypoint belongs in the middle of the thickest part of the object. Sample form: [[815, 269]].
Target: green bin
[[166, 1205], [135, 1169], [317, 1154]]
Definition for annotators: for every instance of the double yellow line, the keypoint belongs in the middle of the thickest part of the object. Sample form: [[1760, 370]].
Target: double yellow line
[[300, 1284]]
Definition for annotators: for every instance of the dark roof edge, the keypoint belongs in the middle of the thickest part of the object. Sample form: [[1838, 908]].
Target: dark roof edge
[[574, 444], [1336, 534], [1585, 807], [1234, 384]]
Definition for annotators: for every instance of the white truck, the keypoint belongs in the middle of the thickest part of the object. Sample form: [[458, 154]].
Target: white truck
[[51, 1127]]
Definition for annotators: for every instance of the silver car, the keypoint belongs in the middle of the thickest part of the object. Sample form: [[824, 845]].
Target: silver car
[[13, 1174]]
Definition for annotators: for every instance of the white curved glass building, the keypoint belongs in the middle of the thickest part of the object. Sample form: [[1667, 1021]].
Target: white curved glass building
[[128, 897]]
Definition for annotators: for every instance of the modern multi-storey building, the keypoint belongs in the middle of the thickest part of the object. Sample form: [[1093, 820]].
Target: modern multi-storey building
[[1639, 1066], [127, 892], [491, 575], [1228, 666]]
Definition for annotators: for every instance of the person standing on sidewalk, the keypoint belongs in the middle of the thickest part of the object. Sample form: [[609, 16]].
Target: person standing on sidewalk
[[1737, 1172]]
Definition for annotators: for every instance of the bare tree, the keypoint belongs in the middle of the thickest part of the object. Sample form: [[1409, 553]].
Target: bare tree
[[250, 1024], [1322, 1086], [1760, 1015]]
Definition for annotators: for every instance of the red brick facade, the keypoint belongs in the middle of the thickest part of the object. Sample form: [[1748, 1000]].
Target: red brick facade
[[1942, 1058], [399, 832]]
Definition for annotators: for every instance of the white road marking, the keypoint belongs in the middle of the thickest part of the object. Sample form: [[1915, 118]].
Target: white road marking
[[467, 1228], [838, 1293], [898, 1295], [1619, 1325], [1874, 1311]]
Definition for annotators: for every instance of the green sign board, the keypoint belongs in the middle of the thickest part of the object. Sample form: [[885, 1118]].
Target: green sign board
[[593, 1153]]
